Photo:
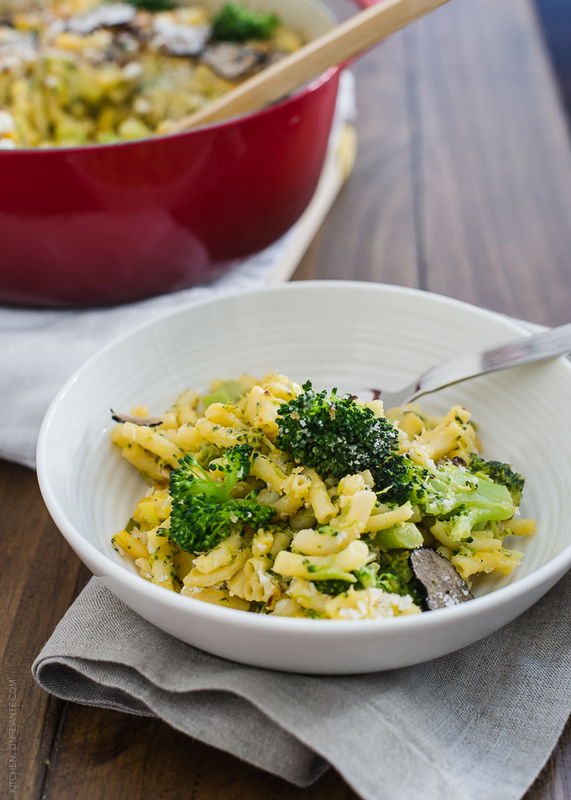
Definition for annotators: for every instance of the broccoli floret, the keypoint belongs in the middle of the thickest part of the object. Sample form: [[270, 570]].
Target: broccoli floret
[[333, 587], [311, 612], [207, 452], [399, 480], [449, 492], [367, 576], [364, 578], [469, 501], [396, 577], [234, 23], [334, 435], [499, 473], [403, 534], [203, 509], [153, 5], [228, 392]]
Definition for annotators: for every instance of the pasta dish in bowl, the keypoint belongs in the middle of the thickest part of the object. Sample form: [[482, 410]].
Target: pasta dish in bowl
[[340, 557], [267, 496]]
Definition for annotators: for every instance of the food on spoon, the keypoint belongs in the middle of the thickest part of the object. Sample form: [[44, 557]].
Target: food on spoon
[[274, 498], [82, 71]]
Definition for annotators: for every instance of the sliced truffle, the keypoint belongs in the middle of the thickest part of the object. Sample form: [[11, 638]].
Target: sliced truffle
[[231, 61], [104, 16], [150, 422], [439, 580], [179, 39]]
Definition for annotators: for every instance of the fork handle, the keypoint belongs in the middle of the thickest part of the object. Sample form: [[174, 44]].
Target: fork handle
[[538, 347]]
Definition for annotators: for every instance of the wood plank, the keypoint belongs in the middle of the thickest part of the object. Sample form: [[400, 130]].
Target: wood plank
[[370, 232], [40, 576], [554, 782], [106, 755], [493, 224], [495, 160]]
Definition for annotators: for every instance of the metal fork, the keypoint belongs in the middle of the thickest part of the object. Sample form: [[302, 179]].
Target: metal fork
[[539, 347]]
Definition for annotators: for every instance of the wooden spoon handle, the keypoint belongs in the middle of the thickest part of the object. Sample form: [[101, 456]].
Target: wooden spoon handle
[[290, 73]]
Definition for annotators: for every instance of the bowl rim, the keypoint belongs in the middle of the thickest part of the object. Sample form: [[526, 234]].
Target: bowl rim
[[545, 575], [299, 94]]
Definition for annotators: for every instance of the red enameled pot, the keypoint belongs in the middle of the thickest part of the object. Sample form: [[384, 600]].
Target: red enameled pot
[[111, 223]]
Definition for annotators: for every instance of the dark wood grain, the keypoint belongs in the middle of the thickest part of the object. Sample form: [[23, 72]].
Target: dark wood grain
[[482, 165], [462, 186], [491, 123], [40, 576], [369, 233], [106, 755], [554, 782]]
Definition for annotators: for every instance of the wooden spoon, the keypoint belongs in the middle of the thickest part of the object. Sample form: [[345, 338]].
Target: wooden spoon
[[290, 73]]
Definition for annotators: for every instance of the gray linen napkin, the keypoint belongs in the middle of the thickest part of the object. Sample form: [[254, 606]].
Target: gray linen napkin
[[479, 723]]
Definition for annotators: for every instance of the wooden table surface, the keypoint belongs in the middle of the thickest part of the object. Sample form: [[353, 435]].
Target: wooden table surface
[[462, 186]]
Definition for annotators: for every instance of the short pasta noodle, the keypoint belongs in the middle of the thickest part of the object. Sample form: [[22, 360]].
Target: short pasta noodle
[[269, 497]]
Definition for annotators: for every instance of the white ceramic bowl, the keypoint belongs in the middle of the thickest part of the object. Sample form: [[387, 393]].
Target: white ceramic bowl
[[351, 335]]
